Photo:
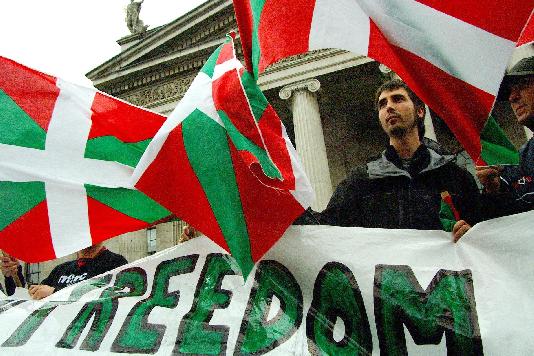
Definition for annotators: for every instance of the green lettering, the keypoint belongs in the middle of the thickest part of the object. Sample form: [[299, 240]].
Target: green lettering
[[336, 295], [446, 306], [195, 335], [37, 317], [30, 325], [137, 335], [104, 310], [257, 334], [8, 304]]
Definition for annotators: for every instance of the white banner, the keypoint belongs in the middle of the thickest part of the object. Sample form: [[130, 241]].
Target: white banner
[[322, 289]]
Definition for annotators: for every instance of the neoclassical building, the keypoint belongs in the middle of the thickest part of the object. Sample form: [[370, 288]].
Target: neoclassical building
[[325, 99]]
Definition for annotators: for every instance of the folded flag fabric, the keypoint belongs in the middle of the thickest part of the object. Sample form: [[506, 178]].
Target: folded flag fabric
[[66, 158], [496, 147], [223, 162], [452, 53]]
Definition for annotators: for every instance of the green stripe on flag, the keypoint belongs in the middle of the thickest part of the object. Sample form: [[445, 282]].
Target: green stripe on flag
[[16, 199], [129, 202], [209, 66], [208, 151], [496, 154], [109, 148], [17, 127], [257, 8], [256, 99], [496, 147], [244, 144]]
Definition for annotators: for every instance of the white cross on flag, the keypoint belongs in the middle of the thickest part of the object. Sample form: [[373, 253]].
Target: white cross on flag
[[66, 158]]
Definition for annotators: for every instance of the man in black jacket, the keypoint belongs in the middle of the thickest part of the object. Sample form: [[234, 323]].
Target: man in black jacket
[[510, 189], [403, 188], [91, 262]]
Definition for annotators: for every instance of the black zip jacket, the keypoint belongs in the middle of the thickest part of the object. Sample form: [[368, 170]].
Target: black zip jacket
[[382, 194]]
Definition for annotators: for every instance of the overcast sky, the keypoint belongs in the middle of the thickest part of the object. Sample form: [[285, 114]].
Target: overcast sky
[[68, 38]]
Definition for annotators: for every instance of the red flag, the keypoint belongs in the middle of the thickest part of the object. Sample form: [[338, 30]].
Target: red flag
[[223, 162], [453, 53]]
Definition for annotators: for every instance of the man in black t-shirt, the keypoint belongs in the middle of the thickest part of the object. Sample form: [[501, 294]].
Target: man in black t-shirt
[[91, 262]]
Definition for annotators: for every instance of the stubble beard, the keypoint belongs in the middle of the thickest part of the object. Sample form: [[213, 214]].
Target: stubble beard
[[400, 131]]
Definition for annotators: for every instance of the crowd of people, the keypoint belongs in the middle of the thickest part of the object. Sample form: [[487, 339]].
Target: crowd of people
[[403, 188]]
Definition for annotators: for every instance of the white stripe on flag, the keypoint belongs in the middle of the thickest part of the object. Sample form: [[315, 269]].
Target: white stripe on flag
[[221, 69], [68, 215], [65, 146], [303, 192], [456, 47], [339, 24]]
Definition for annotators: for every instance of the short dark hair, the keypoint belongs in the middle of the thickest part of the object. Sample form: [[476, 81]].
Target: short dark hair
[[395, 84]]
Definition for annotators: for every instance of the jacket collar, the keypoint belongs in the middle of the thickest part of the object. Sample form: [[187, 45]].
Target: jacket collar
[[390, 164]]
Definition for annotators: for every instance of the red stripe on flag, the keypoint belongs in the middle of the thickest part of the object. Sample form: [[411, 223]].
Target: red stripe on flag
[[112, 117], [226, 53], [35, 92], [271, 128], [106, 222], [229, 97], [289, 22], [268, 211], [464, 107], [502, 18], [171, 181], [527, 35], [243, 14], [28, 238]]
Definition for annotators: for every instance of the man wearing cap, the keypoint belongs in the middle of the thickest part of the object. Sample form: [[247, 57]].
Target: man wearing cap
[[511, 188]]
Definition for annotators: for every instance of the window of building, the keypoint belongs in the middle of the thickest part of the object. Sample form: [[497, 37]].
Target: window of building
[[151, 240], [33, 272]]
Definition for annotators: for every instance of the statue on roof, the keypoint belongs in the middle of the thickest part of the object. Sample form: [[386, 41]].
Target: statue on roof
[[134, 23]]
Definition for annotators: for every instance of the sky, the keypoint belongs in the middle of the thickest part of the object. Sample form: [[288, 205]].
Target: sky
[[68, 38]]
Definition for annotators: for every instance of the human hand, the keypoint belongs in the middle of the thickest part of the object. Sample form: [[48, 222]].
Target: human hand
[[489, 176], [40, 291], [188, 233], [9, 265], [459, 229]]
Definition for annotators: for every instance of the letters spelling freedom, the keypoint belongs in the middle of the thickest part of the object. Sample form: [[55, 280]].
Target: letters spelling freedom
[[183, 302]]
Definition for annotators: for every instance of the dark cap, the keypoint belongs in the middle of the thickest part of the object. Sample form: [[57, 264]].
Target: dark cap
[[523, 68]]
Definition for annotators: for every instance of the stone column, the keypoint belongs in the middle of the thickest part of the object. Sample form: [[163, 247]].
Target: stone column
[[309, 137]]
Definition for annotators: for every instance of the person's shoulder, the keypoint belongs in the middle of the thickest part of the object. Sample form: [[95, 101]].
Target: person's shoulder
[[64, 265], [355, 175], [114, 257]]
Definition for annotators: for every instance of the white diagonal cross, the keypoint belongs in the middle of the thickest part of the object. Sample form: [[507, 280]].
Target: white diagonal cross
[[63, 168]]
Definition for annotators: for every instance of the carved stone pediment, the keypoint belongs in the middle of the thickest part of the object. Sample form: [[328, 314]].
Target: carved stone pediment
[[159, 94], [164, 53]]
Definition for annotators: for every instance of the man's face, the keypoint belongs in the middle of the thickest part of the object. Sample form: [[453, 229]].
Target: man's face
[[397, 113], [522, 100]]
